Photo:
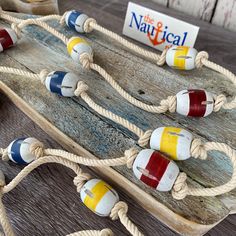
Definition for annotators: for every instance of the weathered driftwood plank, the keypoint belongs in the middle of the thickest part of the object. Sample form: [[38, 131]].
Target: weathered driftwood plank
[[202, 9], [225, 14], [104, 138]]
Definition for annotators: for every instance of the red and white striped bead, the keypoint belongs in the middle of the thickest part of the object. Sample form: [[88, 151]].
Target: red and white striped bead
[[8, 38], [155, 170], [194, 102]]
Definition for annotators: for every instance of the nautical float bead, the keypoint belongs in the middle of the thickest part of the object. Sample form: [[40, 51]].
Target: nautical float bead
[[181, 57], [75, 20], [174, 142], [155, 170], [62, 83], [8, 38], [19, 150], [194, 102], [99, 197], [77, 46]]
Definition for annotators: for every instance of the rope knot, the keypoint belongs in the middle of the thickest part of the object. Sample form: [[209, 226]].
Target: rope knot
[[219, 102], [180, 188], [106, 232], [198, 149], [86, 59], [200, 56], [37, 149], [170, 103], [81, 87], [4, 154], [43, 75], [80, 180], [162, 59], [120, 207], [87, 25], [144, 139], [63, 18], [130, 155], [17, 30]]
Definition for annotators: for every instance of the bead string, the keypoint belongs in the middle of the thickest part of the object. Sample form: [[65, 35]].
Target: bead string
[[180, 189], [86, 60], [119, 211]]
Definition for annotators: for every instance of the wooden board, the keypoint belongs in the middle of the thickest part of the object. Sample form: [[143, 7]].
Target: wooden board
[[225, 14], [100, 136]]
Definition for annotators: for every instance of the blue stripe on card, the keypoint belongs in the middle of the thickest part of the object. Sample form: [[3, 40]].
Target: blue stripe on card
[[72, 19], [56, 82], [15, 151]]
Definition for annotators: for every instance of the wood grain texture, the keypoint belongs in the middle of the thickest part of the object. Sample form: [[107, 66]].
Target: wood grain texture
[[104, 49], [201, 9], [225, 14]]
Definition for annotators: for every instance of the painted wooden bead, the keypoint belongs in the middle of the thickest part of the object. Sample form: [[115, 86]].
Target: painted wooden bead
[[75, 20], [175, 142], [99, 197], [19, 150], [77, 46], [194, 102], [155, 170], [181, 57], [8, 38], [62, 83]]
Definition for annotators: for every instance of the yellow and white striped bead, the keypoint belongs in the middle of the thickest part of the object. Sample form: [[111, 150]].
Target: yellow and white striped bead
[[99, 197], [175, 142], [76, 46], [181, 57]]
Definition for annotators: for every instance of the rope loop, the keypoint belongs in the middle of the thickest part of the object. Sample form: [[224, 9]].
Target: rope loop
[[162, 59], [219, 102], [131, 154], [170, 103], [119, 207], [87, 25], [180, 188], [4, 154], [144, 139], [43, 75], [17, 30], [63, 19], [106, 232], [86, 60], [198, 149], [81, 88], [200, 56], [37, 149], [81, 179]]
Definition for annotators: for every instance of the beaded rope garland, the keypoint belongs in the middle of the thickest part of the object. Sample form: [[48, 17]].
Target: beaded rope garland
[[161, 136], [96, 194], [192, 102]]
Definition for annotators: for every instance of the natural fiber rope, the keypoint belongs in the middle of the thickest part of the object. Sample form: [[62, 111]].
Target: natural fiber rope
[[220, 100], [120, 211], [18, 27], [165, 105], [181, 190], [104, 232]]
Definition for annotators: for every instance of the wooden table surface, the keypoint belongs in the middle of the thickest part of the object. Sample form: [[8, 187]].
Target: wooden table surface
[[29, 211]]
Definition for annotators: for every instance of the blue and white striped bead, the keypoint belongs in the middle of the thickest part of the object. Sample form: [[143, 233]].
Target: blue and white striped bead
[[62, 83], [19, 150], [75, 20]]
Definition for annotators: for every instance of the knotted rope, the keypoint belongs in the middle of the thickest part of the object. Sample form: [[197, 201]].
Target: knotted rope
[[104, 232], [181, 189], [120, 211]]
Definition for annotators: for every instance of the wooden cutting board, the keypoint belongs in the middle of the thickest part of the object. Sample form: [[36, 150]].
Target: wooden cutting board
[[81, 130]]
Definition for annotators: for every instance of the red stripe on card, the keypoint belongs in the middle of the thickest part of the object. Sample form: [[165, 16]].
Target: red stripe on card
[[5, 39], [156, 166], [196, 108]]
